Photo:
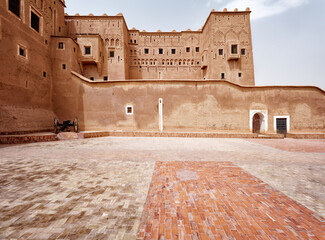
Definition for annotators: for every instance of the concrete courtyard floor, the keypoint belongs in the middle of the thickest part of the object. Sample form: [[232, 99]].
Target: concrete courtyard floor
[[163, 188]]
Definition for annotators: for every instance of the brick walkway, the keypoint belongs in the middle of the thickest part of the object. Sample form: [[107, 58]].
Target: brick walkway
[[218, 200]]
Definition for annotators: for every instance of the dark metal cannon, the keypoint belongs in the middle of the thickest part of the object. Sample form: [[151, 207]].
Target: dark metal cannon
[[65, 126]]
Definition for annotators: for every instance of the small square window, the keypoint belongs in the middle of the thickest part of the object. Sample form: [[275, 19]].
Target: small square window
[[60, 45], [105, 78], [22, 51], [129, 110], [146, 51], [34, 21], [197, 49], [173, 51], [64, 66], [92, 78], [220, 51], [111, 54], [222, 76], [243, 51], [161, 51], [87, 50], [14, 7], [239, 74], [234, 49], [188, 49]]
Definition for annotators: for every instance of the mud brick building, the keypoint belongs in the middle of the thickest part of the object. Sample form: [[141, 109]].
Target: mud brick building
[[114, 78]]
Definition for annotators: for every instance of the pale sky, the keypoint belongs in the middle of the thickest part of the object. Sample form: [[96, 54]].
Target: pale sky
[[288, 35]]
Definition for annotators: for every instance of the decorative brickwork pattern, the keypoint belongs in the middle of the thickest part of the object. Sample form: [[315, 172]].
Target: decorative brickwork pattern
[[209, 200]]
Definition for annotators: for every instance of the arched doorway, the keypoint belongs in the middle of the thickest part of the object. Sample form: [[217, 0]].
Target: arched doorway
[[258, 123], [258, 120]]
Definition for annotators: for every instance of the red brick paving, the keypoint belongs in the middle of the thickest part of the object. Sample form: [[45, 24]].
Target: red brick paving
[[218, 200], [293, 145]]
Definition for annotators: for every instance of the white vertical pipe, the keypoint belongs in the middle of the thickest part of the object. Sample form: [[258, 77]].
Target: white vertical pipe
[[161, 124]]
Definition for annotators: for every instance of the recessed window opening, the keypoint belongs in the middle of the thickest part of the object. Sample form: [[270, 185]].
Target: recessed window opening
[[111, 54], [243, 51], [161, 51], [173, 51], [44, 74], [131, 41], [220, 51], [129, 110], [35, 21], [92, 78], [188, 49], [14, 7], [146, 51], [234, 49], [74, 49], [105, 78], [87, 50], [135, 41], [197, 49], [59, 29], [64, 66], [222, 75], [60, 45], [239, 74], [22, 51]]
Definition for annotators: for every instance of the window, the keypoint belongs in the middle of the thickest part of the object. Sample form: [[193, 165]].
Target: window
[[129, 110], [161, 51], [60, 45], [220, 51], [197, 49], [34, 21], [111, 54], [44, 74], [173, 51], [234, 49], [64, 66], [239, 74], [131, 41], [105, 78], [243, 51], [22, 51], [14, 7], [222, 76], [92, 78], [135, 41], [87, 50], [188, 49], [146, 51]]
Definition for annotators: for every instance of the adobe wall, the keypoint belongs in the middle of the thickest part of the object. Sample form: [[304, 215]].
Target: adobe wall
[[26, 81], [190, 105]]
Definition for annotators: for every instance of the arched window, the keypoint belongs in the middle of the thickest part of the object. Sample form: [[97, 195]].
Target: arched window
[[163, 62], [117, 42]]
